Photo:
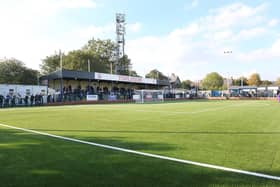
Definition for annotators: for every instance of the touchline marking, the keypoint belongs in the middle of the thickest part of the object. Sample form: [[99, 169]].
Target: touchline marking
[[148, 154]]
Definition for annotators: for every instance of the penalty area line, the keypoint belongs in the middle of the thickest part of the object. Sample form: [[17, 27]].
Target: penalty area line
[[261, 175]]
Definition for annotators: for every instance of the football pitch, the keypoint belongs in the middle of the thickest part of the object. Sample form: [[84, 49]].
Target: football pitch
[[243, 135]]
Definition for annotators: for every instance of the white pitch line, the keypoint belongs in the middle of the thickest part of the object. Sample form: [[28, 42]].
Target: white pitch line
[[261, 175]]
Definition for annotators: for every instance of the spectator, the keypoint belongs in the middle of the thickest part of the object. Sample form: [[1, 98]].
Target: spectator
[[7, 100], [18, 99], [36, 99], [49, 98], [13, 102], [26, 100], [1, 101], [41, 99], [32, 100]]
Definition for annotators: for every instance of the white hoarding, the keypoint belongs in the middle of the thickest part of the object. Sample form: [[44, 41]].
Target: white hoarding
[[160, 97], [124, 78], [92, 97], [22, 90], [136, 97], [105, 76]]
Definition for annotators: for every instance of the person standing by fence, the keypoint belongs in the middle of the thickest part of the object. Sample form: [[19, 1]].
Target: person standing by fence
[[31, 100], [1, 101], [26, 100]]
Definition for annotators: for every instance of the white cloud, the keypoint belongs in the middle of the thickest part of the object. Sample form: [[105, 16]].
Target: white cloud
[[134, 27], [235, 22], [251, 33], [262, 54], [33, 9], [188, 31], [96, 31], [28, 26], [276, 47], [76, 4], [233, 15], [190, 51], [167, 54], [273, 22], [223, 35]]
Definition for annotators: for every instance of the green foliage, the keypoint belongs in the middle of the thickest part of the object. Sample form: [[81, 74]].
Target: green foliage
[[238, 82], [278, 82], [213, 81], [100, 54], [51, 63], [15, 72], [155, 74], [124, 64], [254, 80], [266, 83], [101, 48], [134, 74], [79, 59], [186, 84]]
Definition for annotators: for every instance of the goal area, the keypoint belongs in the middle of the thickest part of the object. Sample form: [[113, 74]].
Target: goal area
[[145, 96]]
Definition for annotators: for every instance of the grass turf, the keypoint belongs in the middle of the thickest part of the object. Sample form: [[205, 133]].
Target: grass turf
[[238, 134]]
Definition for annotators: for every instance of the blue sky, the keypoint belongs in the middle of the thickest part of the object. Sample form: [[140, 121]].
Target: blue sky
[[185, 37]]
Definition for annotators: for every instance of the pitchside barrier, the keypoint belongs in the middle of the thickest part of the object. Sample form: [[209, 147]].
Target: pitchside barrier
[[22, 95], [242, 98], [144, 96]]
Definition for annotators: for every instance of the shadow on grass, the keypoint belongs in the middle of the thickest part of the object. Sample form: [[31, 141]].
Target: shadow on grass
[[160, 132], [34, 160]]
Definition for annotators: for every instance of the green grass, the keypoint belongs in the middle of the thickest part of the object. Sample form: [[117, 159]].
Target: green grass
[[237, 134]]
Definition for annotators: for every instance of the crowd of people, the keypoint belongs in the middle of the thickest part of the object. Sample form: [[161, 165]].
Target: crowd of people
[[78, 94], [17, 100], [68, 94]]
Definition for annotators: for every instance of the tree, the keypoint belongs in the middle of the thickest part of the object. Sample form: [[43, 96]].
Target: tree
[[51, 63], [186, 84], [266, 83], [104, 53], [101, 48], [79, 59], [155, 74], [100, 54], [134, 74], [278, 82], [15, 72], [238, 82], [125, 64], [213, 81], [254, 80]]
